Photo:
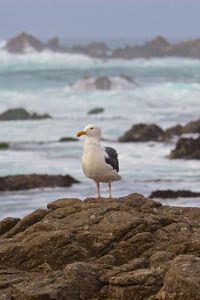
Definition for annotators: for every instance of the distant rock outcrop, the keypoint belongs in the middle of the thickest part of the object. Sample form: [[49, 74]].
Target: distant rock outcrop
[[21, 114], [166, 194], [191, 127], [99, 50], [24, 42], [32, 181], [187, 148], [143, 133], [119, 249]]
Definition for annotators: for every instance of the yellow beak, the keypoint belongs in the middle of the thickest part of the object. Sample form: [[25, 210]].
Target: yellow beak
[[80, 133]]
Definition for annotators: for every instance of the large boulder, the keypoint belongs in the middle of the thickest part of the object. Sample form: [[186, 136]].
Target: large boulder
[[191, 127], [21, 114], [143, 133], [24, 42], [31, 181], [126, 248], [187, 148], [166, 194]]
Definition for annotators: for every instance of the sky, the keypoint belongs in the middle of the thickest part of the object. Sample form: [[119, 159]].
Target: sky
[[101, 19]]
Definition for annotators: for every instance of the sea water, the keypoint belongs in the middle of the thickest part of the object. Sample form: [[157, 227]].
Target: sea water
[[165, 91]]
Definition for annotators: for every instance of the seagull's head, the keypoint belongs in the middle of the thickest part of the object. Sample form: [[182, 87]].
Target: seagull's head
[[91, 131]]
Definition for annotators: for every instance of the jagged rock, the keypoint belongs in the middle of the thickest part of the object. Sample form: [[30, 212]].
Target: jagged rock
[[25, 182], [22, 42], [96, 110], [126, 248], [173, 194], [187, 148], [143, 133], [21, 114]]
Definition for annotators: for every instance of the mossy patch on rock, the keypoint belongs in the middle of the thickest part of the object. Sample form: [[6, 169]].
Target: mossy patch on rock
[[97, 110], [67, 139], [4, 146], [21, 114]]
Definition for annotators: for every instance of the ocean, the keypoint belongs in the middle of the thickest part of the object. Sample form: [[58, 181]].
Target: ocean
[[167, 92]]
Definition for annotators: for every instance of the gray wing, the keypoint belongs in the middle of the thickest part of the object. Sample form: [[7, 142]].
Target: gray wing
[[111, 158]]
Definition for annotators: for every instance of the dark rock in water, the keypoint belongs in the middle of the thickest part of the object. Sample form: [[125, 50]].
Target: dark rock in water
[[32, 181], [96, 110], [103, 83], [4, 146], [187, 148], [21, 42], [126, 248], [53, 44], [191, 127], [143, 133], [173, 194], [99, 50], [21, 114], [67, 139]]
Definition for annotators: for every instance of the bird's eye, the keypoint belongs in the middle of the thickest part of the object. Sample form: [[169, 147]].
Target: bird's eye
[[92, 128]]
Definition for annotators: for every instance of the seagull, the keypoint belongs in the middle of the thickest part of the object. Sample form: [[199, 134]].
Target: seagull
[[98, 163]]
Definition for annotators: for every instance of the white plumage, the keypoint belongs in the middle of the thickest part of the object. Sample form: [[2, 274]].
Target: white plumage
[[98, 163]]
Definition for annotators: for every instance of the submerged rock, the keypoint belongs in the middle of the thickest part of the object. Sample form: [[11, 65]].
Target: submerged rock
[[187, 148], [96, 110], [143, 133], [4, 146], [173, 194], [126, 248], [32, 181], [21, 114], [68, 139]]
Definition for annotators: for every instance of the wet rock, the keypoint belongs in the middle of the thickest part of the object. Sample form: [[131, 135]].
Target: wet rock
[[191, 127], [103, 83], [23, 42], [99, 50], [4, 146], [143, 133], [53, 44], [21, 114], [126, 248], [187, 148], [25, 182], [96, 110], [173, 194]]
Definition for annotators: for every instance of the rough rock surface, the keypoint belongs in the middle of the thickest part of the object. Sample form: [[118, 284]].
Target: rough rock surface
[[143, 133], [173, 194], [115, 249], [21, 114], [187, 148], [32, 181]]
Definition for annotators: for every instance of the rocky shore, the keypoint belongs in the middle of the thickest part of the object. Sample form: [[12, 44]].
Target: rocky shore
[[157, 47], [122, 249]]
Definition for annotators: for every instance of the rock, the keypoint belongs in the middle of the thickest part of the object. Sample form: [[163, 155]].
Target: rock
[[23, 42], [67, 139], [173, 194], [99, 50], [7, 224], [32, 181], [126, 248], [4, 146], [191, 127], [143, 133], [95, 111], [21, 114], [182, 281], [103, 83], [186, 148], [53, 44]]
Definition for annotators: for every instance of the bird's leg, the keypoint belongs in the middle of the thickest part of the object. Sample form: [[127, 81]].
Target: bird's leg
[[98, 190], [110, 190]]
